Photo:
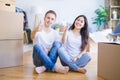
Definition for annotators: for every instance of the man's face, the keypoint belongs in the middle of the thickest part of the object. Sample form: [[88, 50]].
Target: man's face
[[49, 19]]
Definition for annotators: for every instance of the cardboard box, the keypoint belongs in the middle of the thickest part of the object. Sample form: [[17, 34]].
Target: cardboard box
[[8, 5], [11, 53], [11, 25], [109, 61], [11, 39]]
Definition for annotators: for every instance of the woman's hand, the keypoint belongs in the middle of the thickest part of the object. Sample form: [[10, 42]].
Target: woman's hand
[[66, 28], [75, 59]]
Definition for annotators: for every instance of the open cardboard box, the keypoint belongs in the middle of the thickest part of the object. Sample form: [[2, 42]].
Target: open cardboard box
[[109, 60]]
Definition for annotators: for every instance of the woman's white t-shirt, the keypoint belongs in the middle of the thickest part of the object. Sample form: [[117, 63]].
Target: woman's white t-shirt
[[73, 44], [46, 39]]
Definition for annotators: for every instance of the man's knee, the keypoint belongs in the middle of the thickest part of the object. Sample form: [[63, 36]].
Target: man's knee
[[37, 46], [57, 44]]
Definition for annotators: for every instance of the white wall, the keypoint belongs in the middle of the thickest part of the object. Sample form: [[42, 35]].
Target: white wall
[[66, 10]]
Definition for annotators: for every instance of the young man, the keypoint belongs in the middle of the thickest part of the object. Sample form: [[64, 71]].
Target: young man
[[46, 44]]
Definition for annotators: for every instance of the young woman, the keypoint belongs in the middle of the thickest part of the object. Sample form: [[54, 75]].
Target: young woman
[[46, 44], [75, 41]]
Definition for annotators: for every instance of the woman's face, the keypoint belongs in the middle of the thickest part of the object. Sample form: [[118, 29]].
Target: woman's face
[[79, 23], [49, 19]]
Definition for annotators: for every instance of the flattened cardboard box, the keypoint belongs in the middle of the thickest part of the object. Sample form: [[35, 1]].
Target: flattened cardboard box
[[109, 61]]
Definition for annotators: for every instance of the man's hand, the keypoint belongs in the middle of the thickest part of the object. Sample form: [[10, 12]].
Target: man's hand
[[38, 28]]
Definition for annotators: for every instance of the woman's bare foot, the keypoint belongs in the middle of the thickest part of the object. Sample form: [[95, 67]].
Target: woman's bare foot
[[40, 69], [62, 69], [82, 70]]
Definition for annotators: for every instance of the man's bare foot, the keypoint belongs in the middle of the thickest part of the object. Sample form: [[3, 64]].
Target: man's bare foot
[[82, 70], [40, 69], [62, 69]]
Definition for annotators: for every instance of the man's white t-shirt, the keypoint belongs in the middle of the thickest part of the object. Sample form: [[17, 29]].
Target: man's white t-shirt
[[46, 39]]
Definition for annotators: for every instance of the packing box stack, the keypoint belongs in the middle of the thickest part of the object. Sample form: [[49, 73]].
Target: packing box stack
[[11, 39]]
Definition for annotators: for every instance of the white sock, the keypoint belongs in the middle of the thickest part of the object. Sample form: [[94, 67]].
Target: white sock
[[40, 69]]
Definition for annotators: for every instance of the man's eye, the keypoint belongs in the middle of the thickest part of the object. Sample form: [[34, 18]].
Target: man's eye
[[48, 17], [52, 19]]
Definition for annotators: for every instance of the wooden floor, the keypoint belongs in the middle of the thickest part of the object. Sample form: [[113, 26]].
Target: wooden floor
[[26, 71]]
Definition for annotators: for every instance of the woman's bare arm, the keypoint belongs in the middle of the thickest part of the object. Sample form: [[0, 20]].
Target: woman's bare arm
[[64, 34]]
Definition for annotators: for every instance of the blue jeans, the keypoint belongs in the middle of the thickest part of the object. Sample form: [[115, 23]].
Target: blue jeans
[[40, 57], [66, 60]]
